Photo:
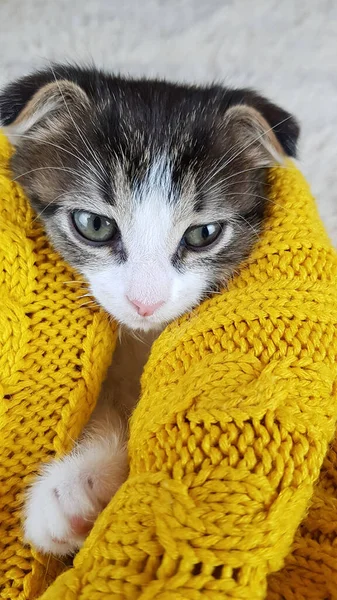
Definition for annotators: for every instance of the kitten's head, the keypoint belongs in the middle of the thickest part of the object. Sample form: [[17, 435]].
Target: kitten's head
[[155, 192]]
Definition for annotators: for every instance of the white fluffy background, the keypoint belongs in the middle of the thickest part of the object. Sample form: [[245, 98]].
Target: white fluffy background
[[287, 50]]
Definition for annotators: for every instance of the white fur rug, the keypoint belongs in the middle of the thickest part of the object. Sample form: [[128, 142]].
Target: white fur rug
[[287, 50]]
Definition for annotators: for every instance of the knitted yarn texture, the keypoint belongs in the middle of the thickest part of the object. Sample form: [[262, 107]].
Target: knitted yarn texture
[[237, 410], [54, 353]]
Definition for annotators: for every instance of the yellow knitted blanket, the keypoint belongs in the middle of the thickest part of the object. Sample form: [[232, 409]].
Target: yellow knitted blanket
[[238, 408]]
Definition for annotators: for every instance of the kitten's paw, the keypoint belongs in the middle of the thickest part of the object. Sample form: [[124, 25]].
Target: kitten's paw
[[65, 500]]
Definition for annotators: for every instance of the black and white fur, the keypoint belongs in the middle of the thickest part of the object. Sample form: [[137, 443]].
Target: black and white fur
[[156, 159]]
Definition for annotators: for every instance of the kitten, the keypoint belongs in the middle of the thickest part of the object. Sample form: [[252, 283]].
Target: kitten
[[155, 193]]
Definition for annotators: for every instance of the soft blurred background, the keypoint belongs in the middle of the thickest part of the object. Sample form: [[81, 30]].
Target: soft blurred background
[[287, 50]]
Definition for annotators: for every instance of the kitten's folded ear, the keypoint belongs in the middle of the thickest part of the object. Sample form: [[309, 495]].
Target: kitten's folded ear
[[29, 103], [251, 138], [263, 135], [281, 123]]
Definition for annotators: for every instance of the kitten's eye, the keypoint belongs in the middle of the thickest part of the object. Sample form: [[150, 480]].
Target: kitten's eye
[[201, 236], [95, 228]]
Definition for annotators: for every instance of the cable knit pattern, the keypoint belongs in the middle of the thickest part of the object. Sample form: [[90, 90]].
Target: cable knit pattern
[[237, 410]]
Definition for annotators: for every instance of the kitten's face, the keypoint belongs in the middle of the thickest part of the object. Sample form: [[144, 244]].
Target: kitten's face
[[154, 193], [161, 251]]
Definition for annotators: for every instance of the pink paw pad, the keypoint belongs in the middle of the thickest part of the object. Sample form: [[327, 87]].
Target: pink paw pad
[[80, 525]]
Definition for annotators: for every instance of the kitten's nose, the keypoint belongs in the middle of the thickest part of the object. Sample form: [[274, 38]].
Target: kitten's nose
[[146, 310]]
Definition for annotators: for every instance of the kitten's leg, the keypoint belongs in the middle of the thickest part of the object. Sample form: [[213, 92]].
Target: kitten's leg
[[66, 498]]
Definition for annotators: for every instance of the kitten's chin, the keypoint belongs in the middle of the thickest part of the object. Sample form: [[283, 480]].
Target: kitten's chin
[[144, 326]]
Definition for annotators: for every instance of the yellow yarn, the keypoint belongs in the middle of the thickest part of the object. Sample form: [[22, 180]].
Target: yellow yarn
[[310, 571], [238, 408], [48, 385]]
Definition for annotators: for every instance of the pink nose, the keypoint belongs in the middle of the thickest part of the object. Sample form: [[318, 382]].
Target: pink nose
[[146, 310]]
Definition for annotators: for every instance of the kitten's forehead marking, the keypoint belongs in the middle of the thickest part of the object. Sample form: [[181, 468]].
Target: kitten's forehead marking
[[158, 179], [152, 213]]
